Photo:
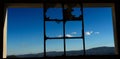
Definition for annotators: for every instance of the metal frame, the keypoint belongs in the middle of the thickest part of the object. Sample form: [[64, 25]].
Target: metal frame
[[66, 17]]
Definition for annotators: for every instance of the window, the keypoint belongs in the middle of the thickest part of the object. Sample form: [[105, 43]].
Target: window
[[90, 30]]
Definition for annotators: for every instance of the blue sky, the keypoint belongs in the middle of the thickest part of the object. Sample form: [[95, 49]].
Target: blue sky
[[25, 30]]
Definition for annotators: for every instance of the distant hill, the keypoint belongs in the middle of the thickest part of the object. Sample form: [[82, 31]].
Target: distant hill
[[101, 51], [93, 51]]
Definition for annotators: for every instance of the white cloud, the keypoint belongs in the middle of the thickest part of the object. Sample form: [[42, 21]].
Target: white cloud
[[60, 36], [74, 33], [91, 32], [68, 35], [87, 33], [97, 32]]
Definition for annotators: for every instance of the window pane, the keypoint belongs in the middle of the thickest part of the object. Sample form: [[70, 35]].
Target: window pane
[[73, 28], [74, 47], [54, 29], [76, 12], [54, 47], [54, 13]]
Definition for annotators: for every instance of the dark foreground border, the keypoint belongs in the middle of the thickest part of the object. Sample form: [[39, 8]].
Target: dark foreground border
[[76, 57], [117, 9]]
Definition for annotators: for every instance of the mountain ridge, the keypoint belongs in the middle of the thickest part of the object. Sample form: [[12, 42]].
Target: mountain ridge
[[93, 51]]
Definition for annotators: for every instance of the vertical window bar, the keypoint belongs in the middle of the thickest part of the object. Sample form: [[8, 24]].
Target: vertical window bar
[[83, 35], [64, 30], [44, 7]]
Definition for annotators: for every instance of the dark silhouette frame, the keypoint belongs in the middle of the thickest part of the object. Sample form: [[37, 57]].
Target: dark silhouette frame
[[66, 17], [18, 3]]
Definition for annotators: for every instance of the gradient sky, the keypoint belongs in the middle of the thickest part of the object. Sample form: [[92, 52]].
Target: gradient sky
[[25, 30]]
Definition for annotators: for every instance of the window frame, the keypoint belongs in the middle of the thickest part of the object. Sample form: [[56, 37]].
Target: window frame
[[40, 5]]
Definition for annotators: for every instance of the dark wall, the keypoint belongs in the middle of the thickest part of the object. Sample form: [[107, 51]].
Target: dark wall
[[67, 1], [117, 12], [1, 26], [3, 2]]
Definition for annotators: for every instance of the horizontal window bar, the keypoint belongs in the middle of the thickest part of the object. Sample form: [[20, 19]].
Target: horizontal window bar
[[61, 20], [63, 37]]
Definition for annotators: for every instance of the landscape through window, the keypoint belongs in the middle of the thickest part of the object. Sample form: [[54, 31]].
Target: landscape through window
[[25, 33]]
